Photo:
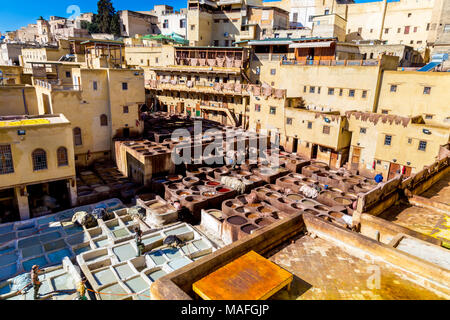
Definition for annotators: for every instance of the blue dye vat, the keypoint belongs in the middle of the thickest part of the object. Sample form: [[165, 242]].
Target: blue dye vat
[[82, 249], [8, 258], [7, 237], [6, 249], [172, 253], [50, 236], [31, 251], [73, 229], [46, 220], [25, 226], [9, 271], [6, 229], [179, 263], [40, 261], [5, 289], [27, 232], [58, 256], [28, 242]]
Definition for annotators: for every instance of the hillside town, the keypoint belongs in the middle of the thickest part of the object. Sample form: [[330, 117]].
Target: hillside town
[[228, 150]]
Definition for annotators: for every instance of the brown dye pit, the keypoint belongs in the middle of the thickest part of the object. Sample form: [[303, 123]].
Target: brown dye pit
[[308, 202], [335, 214], [236, 220], [314, 212], [248, 228], [262, 222], [265, 210], [322, 208], [252, 215], [343, 201]]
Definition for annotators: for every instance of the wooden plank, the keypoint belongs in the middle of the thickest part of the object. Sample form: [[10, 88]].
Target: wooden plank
[[250, 277]]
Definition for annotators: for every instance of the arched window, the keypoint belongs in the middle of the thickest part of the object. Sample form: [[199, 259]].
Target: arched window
[[77, 137], [39, 159], [103, 120], [62, 157]]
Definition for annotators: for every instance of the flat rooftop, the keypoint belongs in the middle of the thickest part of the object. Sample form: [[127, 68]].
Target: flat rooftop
[[423, 220], [21, 121], [325, 270]]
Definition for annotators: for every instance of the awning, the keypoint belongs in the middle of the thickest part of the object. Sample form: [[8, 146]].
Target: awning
[[317, 44], [272, 42]]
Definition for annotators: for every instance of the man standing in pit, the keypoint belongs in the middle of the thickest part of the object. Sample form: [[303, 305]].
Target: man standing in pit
[[35, 280], [81, 289], [138, 239]]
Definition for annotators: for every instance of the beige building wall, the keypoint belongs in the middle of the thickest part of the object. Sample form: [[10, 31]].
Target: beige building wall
[[16, 100], [404, 146], [114, 93], [403, 93], [48, 136], [199, 28]]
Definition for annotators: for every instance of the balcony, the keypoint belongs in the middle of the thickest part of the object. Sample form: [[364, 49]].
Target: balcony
[[52, 86], [330, 62], [229, 88]]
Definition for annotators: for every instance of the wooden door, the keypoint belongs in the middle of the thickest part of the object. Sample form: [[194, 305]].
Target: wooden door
[[407, 171], [393, 170], [334, 159], [356, 155]]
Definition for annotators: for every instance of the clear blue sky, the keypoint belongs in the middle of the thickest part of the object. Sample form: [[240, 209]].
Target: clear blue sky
[[17, 13]]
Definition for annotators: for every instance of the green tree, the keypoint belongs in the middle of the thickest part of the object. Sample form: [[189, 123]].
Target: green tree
[[115, 25], [105, 16]]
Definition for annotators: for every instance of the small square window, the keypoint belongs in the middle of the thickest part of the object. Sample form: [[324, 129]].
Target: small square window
[[426, 90], [428, 116], [362, 130], [326, 130], [124, 86], [364, 94], [422, 145], [125, 109], [68, 74], [409, 140], [94, 85], [289, 121], [318, 90], [351, 93], [304, 88], [341, 91], [273, 110], [384, 111], [309, 125], [273, 71], [409, 15], [393, 88], [257, 107], [330, 91], [312, 89], [387, 140]]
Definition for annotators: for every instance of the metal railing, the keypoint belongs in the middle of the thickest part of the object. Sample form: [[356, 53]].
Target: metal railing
[[56, 87]]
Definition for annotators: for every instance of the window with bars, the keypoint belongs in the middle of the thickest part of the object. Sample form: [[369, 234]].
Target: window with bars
[[362, 130], [125, 109], [39, 159], [77, 137], [289, 121], [387, 140], [312, 89], [330, 91], [326, 130], [422, 145], [257, 107], [6, 161], [63, 159], [309, 125]]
